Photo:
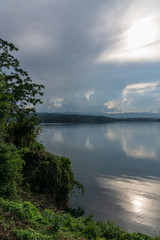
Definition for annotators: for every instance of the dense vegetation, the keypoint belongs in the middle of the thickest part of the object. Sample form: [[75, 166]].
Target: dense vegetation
[[22, 220], [33, 182], [71, 118], [24, 163]]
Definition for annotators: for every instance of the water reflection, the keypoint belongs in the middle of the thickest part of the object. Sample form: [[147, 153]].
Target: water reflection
[[140, 150], [135, 140], [57, 137], [116, 163], [138, 197], [89, 145], [138, 203], [111, 134]]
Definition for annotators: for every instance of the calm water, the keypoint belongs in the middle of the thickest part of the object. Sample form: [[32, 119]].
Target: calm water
[[119, 165]]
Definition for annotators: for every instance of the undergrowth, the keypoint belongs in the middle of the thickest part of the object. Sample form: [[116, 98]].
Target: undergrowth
[[21, 220], [47, 173]]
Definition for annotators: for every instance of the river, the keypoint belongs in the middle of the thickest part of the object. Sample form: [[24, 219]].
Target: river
[[119, 165]]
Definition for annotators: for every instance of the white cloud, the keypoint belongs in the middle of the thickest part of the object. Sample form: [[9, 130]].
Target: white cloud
[[56, 102], [117, 54], [111, 104], [137, 97], [132, 36], [139, 88], [89, 93]]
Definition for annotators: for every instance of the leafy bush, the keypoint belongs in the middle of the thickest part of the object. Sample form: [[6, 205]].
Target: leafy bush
[[10, 169], [30, 224], [18, 95], [49, 174], [22, 131], [30, 234], [76, 212], [45, 172], [22, 210]]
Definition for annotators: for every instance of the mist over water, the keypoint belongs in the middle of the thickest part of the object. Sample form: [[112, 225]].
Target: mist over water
[[119, 165]]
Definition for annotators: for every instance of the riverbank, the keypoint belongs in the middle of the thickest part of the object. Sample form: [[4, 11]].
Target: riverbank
[[23, 220]]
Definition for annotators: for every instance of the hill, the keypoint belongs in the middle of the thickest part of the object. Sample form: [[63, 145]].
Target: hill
[[81, 118]]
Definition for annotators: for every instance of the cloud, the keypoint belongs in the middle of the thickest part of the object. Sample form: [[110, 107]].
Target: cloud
[[149, 53], [135, 38], [86, 102], [137, 97], [35, 43], [139, 88], [89, 93], [84, 52], [51, 104], [111, 104], [57, 102]]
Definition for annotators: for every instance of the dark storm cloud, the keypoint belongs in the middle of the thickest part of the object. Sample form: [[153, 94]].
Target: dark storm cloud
[[76, 47]]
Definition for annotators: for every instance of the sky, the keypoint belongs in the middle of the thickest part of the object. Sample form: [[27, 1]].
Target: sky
[[92, 56]]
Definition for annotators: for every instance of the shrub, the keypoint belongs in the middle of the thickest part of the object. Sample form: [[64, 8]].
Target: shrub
[[22, 210], [10, 169], [30, 234], [49, 174], [26, 222]]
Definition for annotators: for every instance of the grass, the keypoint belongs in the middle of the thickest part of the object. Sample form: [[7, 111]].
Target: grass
[[21, 220]]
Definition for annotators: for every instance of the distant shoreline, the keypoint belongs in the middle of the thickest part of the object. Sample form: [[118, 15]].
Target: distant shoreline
[[81, 119]]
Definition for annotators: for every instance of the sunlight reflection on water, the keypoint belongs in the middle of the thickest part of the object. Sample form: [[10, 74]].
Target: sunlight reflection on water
[[119, 167], [138, 196]]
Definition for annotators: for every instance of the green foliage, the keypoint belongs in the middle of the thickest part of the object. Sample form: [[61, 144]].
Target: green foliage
[[44, 172], [30, 234], [19, 85], [49, 225], [22, 210], [50, 174], [18, 96], [23, 131], [4, 104], [10, 169], [23, 159], [76, 212]]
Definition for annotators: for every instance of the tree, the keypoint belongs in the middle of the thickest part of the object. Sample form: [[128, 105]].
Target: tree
[[20, 154], [18, 94], [18, 97], [4, 103]]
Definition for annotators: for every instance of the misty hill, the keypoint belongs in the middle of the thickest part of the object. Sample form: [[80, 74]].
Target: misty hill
[[133, 115]]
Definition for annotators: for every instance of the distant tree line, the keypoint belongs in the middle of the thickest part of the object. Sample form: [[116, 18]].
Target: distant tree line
[[72, 118], [80, 119]]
